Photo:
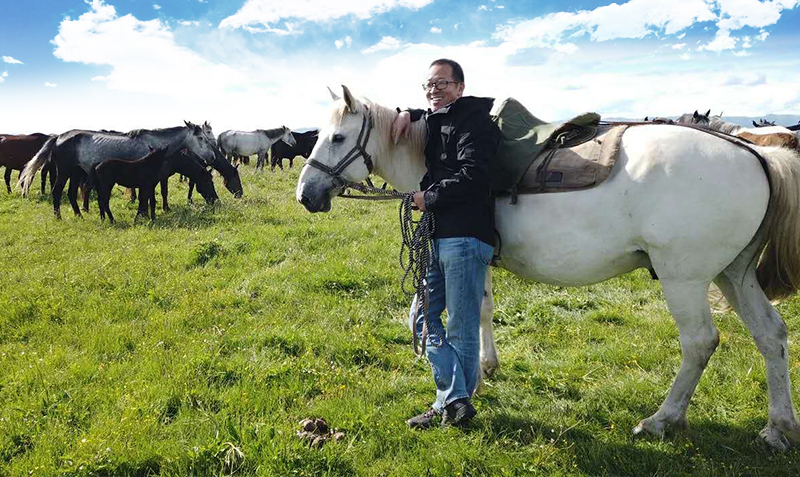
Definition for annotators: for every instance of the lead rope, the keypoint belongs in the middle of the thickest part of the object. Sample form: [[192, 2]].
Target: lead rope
[[415, 254]]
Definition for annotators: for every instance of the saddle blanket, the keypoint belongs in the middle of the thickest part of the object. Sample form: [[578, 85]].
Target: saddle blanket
[[537, 157]]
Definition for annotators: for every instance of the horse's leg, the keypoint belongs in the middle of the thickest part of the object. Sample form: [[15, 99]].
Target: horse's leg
[[164, 194], [740, 286], [688, 303], [152, 199], [8, 178], [191, 189], [489, 361], [44, 177], [131, 194], [58, 189], [72, 193], [87, 192]]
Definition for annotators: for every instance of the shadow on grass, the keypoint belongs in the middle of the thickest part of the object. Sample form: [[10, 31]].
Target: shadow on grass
[[706, 448]]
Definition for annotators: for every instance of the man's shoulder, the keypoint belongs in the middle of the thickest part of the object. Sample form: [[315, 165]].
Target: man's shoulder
[[474, 105]]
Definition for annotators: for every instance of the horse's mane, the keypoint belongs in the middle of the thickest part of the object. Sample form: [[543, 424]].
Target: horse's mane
[[274, 132], [383, 118], [717, 124]]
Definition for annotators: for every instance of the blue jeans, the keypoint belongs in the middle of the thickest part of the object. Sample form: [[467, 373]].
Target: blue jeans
[[456, 278]]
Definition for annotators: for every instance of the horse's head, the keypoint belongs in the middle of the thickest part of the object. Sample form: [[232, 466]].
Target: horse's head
[[340, 154], [695, 118], [205, 186], [198, 142], [232, 181], [288, 137]]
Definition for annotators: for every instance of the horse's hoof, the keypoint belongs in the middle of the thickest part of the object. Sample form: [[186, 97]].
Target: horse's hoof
[[774, 439], [658, 427], [489, 367]]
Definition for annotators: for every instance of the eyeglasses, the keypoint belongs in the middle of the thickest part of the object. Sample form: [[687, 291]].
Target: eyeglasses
[[439, 84]]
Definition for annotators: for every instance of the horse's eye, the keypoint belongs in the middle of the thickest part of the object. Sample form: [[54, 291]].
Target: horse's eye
[[337, 138]]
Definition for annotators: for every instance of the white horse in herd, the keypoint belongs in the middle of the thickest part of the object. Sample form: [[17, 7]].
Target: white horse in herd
[[247, 143], [694, 207]]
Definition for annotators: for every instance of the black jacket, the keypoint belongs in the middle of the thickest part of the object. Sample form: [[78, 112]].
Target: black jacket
[[461, 145]]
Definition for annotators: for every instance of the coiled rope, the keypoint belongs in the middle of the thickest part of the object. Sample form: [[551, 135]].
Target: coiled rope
[[415, 254]]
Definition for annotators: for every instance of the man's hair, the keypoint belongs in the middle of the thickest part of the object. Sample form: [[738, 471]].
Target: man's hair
[[458, 73]]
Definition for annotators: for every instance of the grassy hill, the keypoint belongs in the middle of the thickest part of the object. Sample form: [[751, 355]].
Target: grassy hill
[[195, 345]]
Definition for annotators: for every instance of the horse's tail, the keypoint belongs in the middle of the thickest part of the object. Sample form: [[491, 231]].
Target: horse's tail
[[33, 166], [778, 270]]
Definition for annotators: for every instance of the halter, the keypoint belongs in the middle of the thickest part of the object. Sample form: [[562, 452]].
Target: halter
[[359, 150]]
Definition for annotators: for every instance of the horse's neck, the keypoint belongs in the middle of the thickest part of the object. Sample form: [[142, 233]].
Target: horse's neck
[[169, 138], [402, 165]]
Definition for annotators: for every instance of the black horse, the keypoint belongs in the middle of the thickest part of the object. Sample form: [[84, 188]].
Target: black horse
[[142, 173], [305, 144], [184, 164]]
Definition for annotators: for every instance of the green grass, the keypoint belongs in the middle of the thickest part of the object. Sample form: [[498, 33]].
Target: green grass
[[193, 346]]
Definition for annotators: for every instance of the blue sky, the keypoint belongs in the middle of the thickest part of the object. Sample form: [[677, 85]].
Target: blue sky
[[246, 64]]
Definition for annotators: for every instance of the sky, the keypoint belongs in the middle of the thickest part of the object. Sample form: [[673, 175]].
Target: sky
[[248, 64]]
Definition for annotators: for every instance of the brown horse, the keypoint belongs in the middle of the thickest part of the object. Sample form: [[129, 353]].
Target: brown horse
[[17, 150]]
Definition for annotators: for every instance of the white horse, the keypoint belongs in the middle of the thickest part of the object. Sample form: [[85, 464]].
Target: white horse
[[692, 206], [247, 143]]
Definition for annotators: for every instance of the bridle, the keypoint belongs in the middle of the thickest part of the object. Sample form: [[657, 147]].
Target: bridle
[[359, 150]]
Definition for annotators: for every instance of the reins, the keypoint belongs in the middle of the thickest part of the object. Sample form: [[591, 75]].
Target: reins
[[415, 254]]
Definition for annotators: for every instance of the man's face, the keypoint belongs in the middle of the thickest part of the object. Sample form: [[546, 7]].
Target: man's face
[[440, 98]]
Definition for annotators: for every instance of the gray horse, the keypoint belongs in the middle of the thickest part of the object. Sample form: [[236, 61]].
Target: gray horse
[[246, 143], [75, 153]]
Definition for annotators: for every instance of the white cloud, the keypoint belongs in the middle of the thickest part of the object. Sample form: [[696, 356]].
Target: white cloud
[[50, 85], [746, 42], [633, 19], [436, 30], [484, 8], [2, 78], [500, 6], [456, 26], [340, 43], [100, 78], [741, 53], [722, 41], [189, 23], [10, 60], [271, 12], [386, 43], [157, 7], [680, 37], [763, 35], [5, 74], [678, 46], [143, 54], [686, 56]]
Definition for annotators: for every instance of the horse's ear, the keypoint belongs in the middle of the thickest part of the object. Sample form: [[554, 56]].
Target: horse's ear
[[755, 124], [334, 96], [349, 100], [708, 113], [645, 118], [696, 115]]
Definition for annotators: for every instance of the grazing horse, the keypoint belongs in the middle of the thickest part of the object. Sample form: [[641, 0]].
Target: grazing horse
[[280, 150], [693, 206], [777, 136], [17, 150], [142, 173], [184, 164], [254, 142], [76, 152], [230, 174]]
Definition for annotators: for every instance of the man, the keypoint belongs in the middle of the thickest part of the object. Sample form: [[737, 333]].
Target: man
[[460, 147]]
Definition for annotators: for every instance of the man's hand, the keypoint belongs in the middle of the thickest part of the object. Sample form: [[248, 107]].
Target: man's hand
[[400, 125], [419, 200]]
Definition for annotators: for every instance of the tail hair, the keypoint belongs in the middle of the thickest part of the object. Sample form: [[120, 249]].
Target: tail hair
[[778, 270], [39, 160]]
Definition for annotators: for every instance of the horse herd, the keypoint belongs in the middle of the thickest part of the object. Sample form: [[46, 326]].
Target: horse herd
[[141, 159]]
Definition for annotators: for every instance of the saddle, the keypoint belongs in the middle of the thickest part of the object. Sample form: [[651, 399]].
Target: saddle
[[538, 157]]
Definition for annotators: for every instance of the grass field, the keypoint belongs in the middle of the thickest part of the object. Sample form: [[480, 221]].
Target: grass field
[[194, 346]]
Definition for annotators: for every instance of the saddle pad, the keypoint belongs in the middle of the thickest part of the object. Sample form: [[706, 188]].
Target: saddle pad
[[574, 168], [524, 136]]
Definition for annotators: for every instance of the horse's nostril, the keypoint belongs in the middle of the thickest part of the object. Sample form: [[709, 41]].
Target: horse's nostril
[[305, 200]]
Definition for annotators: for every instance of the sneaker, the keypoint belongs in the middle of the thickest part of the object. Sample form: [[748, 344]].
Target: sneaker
[[458, 413], [424, 420]]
